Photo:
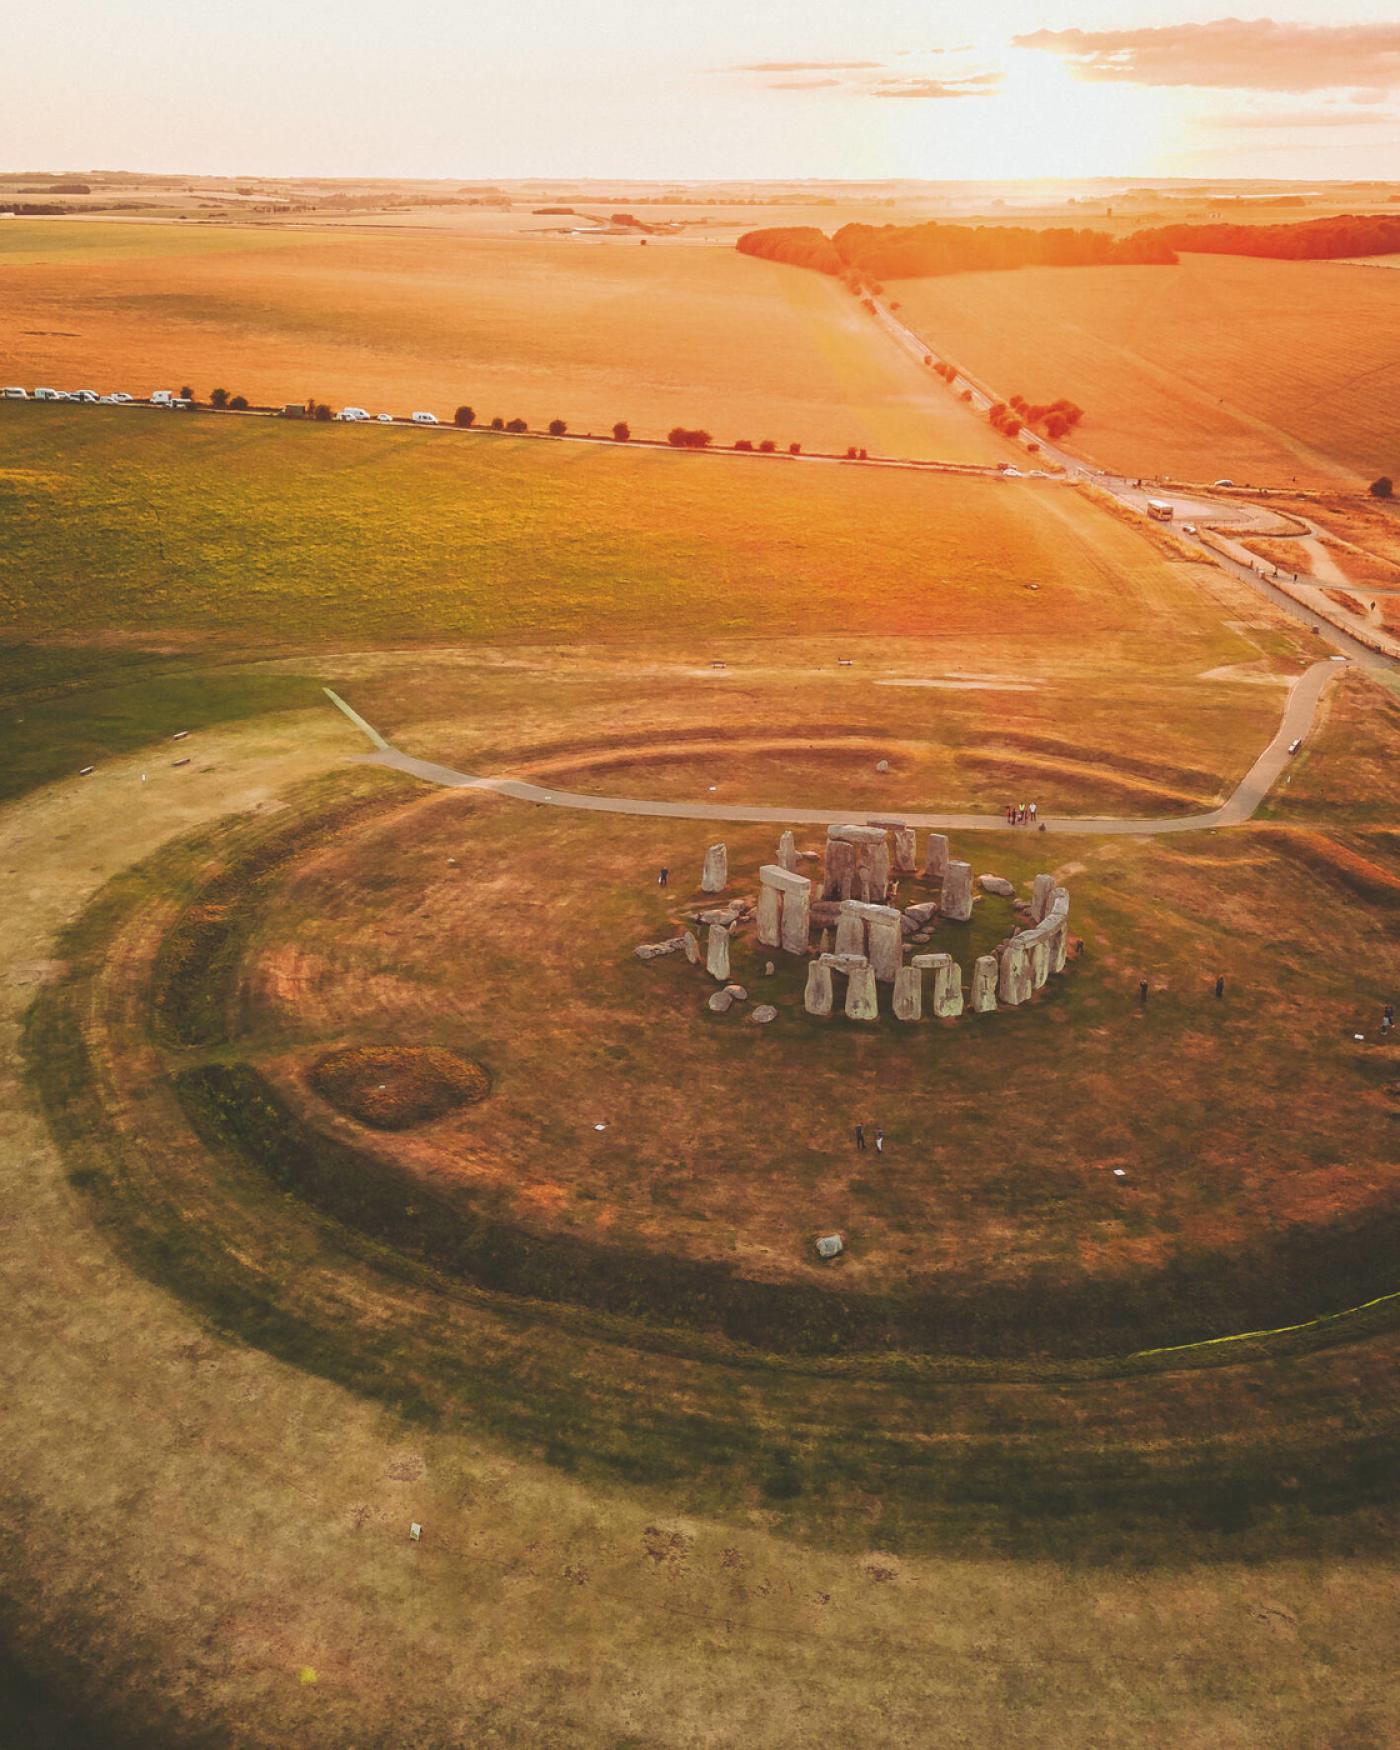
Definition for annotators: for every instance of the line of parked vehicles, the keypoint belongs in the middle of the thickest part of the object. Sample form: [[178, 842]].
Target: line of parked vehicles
[[169, 399]]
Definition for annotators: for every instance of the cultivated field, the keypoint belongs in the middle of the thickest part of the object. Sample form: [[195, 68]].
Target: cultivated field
[[590, 330], [1265, 372], [668, 1470]]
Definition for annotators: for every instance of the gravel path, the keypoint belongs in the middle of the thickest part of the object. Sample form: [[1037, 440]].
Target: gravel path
[[1241, 806]]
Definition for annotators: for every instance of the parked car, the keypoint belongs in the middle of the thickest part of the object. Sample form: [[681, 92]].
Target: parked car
[[385, 418], [89, 395], [119, 395], [15, 394], [1223, 483], [353, 414], [1188, 528], [1293, 746], [47, 395], [425, 419]]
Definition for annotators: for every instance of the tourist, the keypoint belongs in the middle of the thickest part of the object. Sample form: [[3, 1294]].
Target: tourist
[[1142, 992], [1220, 985], [1032, 813], [860, 1136], [663, 877], [879, 1140]]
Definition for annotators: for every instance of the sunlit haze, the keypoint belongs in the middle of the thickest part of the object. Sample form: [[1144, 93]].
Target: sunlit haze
[[620, 88]]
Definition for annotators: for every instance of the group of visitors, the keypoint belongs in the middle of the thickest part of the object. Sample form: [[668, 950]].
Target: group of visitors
[[1022, 814], [879, 1138]]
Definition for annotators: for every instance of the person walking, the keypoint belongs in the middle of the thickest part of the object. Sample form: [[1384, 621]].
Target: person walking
[[1032, 813], [1387, 1019], [663, 877], [1142, 992], [1220, 986], [879, 1140], [860, 1137]]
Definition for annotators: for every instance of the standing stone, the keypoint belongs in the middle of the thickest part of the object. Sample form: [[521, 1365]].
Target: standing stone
[[824, 946], [884, 947], [1014, 976], [717, 952], [797, 927], [984, 984], [879, 866], [1059, 946], [787, 851], [715, 876], [1041, 953], [839, 877], [770, 910], [946, 999], [816, 999], [1042, 893], [862, 998], [908, 993], [957, 892], [906, 855], [936, 856], [850, 933]]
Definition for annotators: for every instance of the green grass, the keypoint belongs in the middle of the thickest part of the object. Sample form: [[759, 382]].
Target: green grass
[[27, 241]]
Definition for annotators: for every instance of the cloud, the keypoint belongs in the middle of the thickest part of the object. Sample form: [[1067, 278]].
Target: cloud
[[1294, 118], [806, 67], [1257, 54], [802, 84], [975, 85]]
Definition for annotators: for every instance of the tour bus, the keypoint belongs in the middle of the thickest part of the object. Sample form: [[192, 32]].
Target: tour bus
[[1159, 510]]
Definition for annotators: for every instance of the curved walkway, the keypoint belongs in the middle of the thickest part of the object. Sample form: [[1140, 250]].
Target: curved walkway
[[1298, 714]]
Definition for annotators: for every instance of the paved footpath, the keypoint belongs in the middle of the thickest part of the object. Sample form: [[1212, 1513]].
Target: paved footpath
[[1298, 715]]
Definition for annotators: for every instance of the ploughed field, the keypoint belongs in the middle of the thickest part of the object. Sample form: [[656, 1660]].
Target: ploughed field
[[1263, 372], [591, 331]]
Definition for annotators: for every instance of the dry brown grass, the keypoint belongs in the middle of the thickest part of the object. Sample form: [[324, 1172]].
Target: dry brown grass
[[1266, 372], [396, 1087]]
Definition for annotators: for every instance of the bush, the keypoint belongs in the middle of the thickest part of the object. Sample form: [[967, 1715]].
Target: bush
[[238, 403], [516, 425], [767, 447], [187, 394], [744, 444], [1383, 488], [557, 428], [464, 416], [683, 438], [794, 449], [218, 397], [622, 432], [498, 424], [966, 395], [851, 453], [321, 411], [864, 456]]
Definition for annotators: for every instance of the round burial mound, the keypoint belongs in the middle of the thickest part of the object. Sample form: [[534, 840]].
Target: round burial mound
[[395, 1087]]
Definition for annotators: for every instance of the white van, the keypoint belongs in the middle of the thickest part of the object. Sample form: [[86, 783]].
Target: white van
[[89, 395], [353, 414], [15, 394], [162, 397], [47, 395], [425, 419]]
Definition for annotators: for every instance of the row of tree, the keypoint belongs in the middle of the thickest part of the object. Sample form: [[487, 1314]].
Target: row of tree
[[1308, 240], [864, 255]]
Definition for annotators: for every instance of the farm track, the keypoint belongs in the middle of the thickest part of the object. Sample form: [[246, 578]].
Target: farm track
[[1298, 715]]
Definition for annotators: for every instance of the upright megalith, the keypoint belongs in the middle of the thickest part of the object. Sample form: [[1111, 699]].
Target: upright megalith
[[816, 999], [1014, 973], [956, 903], [862, 998], [857, 863], [935, 856], [1039, 945], [787, 852], [1042, 894], [874, 930], [850, 931], [908, 999], [984, 984], [714, 877], [946, 997], [717, 952], [904, 854], [784, 909], [770, 916]]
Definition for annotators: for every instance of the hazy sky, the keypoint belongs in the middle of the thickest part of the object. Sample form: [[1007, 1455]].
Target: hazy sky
[[702, 88]]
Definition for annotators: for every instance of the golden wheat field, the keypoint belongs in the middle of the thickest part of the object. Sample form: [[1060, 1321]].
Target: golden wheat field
[[1265, 372], [589, 329]]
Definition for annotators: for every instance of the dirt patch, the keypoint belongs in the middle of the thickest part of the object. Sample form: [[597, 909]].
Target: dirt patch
[[395, 1087]]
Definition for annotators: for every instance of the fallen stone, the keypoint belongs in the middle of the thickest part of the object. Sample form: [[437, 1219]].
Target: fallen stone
[[923, 936], [908, 997], [723, 915], [764, 1013], [830, 1246], [997, 884], [816, 999], [721, 1002], [923, 913], [882, 765], [738, 992], [717, 952], [655, 950], [714, 878], [809, 856], [692, 948]]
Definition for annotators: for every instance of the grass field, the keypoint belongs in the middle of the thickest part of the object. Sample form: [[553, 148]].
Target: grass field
[[1265, 372], [590, 331], [273, 1337]]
